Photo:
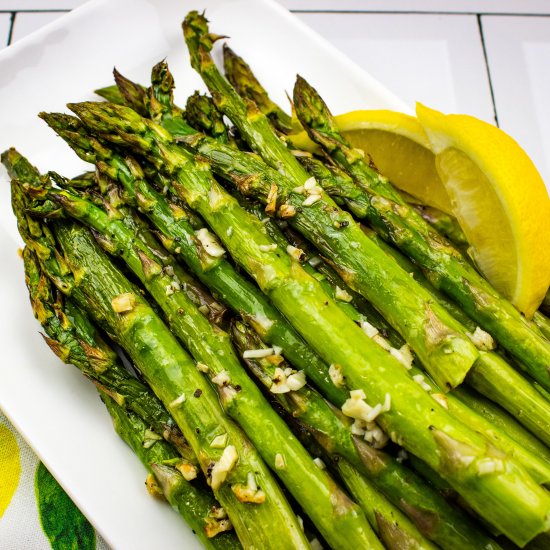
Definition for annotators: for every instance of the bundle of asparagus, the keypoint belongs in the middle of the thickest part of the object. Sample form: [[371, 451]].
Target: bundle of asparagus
[[274, 335]]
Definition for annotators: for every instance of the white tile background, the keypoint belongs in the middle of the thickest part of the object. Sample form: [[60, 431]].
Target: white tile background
[[488, 58]]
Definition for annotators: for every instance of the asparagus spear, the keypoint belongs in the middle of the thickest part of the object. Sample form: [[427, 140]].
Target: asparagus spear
[[133, 93], [181, 238], [245, 83], [75, 340], [433, 434], [88, 352], [102, 290], [433, 517], [543, 323], [393, 528], [198, 114], [503, 421], [314, 490], [197, 506], [538, 467], [111, 93], [372, 197]]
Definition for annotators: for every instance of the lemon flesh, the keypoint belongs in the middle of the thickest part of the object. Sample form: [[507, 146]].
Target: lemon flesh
[[499, 200]]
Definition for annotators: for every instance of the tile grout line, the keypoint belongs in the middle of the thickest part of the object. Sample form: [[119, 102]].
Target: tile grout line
[[488, 68], [426, 12], [10, 32], [52, 10], [336, 11]]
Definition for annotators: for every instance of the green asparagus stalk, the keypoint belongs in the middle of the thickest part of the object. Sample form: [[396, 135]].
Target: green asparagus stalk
[[525, 403], [419, 276], [118, 306], [247, 86], [538, 467], [394, 529], [158, 94], [199, 115], [197, 506], [372, 197], [431, 434], [433, 517], [332, 177], [503, 421], [450, 355], [81, 345], [543, 323], [84, 180], [86, 350], [111, 94], [314, 490], [134, 93], [213, 270]]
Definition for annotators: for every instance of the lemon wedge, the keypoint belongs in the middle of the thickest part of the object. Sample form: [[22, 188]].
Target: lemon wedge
[[499, 200], [399, 148]]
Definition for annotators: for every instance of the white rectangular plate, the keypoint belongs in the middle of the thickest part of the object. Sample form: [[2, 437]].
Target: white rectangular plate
[[54, 408]]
